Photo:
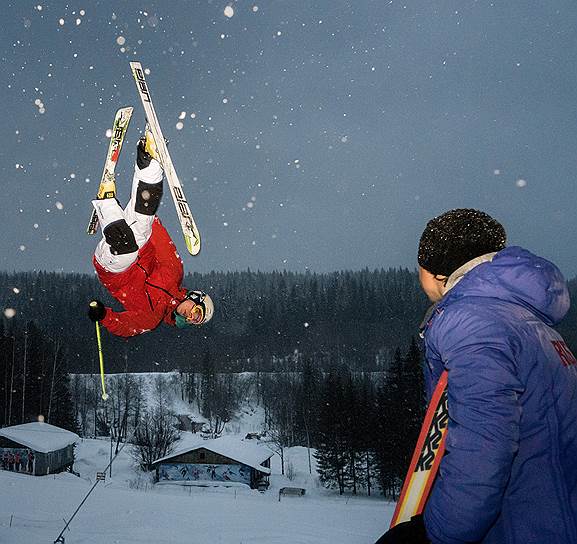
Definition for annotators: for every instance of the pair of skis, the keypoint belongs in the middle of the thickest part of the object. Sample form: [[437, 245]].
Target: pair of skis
[[120, 125]]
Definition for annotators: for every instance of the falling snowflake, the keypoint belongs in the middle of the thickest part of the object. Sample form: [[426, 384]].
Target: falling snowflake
[[521, 183], [121, 40], [179, 126], [228, 11], [9, 313], [40, 105]]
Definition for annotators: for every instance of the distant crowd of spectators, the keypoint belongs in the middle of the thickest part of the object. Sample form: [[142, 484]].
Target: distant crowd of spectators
[[18, 460]]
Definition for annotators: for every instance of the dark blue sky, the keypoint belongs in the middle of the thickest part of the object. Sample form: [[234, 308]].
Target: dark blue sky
[[318, 135]]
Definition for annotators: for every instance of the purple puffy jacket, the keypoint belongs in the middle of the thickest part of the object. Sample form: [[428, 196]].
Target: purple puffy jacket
[[509, 475]]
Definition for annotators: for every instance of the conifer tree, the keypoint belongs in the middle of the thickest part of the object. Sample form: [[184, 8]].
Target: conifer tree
[[331, 452]]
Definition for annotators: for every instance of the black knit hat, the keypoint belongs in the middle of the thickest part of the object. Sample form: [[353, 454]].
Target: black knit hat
[[457, 236]]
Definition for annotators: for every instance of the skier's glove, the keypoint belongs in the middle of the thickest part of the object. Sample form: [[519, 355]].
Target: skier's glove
[[96, 310], [410, 532], [146, 150]]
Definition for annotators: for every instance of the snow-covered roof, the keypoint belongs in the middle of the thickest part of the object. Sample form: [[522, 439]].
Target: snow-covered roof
[[244, 451], [41, 437]]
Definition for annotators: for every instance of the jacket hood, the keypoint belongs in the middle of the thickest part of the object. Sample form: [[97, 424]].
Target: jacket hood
[[516, 275]]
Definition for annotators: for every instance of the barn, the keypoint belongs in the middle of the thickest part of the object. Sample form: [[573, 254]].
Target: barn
[[226, 461], [37, 448]]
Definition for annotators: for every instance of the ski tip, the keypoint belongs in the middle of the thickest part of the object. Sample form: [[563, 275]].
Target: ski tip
[[193, 245]]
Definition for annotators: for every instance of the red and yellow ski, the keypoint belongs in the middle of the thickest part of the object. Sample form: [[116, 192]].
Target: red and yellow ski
[[107, 187], [426, 457]]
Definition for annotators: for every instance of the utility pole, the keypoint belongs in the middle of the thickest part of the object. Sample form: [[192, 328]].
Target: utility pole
[[113, 430], [52, 381], [24, 373], [5, 414], [11, 380]]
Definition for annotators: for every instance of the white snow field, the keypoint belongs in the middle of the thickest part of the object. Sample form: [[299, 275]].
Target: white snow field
[[128, 508]]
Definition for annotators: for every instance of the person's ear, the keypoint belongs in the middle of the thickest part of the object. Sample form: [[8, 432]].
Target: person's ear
[[441, 278]]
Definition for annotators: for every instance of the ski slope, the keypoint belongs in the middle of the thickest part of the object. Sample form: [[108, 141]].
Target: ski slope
[[129, 509]]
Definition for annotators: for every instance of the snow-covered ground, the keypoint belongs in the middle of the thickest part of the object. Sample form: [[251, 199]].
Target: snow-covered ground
[[129, 509]]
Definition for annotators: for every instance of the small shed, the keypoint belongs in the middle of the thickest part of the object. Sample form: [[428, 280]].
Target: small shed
[[37, 448], [226, 461]]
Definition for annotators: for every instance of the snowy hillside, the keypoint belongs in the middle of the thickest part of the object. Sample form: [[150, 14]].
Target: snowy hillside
[[129, 508]]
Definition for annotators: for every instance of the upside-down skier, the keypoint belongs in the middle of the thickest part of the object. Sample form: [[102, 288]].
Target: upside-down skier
[[509, 474], [137, 261]]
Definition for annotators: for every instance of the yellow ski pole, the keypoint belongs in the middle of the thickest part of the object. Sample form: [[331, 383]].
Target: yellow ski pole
[[101, 359]]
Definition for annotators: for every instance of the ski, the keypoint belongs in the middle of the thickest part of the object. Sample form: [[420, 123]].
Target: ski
[[426, 457], [106, 189], [189, 230]]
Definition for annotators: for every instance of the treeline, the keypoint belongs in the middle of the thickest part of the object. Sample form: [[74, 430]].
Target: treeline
[[362, 426], [260, 319], [34, 378]]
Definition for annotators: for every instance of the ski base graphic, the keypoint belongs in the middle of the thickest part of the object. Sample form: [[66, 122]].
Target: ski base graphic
[[426, 457], [189, 230], [107, 189]]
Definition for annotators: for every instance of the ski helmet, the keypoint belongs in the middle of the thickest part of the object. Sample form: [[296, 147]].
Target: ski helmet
[[203, 302]]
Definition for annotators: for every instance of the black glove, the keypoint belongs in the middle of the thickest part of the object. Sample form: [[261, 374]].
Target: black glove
[[96, 310], [409, 532], [143, 158]]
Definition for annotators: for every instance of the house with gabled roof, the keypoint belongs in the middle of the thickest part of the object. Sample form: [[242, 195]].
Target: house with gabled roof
[[226, 461], [37, 448]]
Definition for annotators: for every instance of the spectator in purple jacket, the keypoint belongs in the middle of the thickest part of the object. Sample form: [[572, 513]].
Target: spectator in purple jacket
[[509, 474], [30, 461]]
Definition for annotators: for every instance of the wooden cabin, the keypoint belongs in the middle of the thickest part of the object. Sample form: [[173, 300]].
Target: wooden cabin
[[226, 461], [37, 448]]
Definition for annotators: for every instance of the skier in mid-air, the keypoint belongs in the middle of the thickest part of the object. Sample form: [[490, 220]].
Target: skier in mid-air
[[509, 474], [137, 261]]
